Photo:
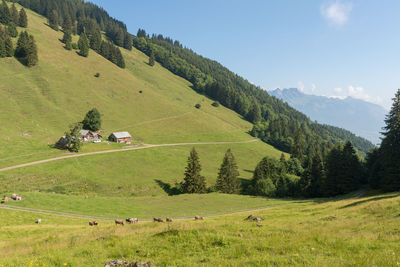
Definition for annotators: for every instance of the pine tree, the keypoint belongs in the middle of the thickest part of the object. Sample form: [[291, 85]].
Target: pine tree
[[73, 137], [9, 47], [120, 59], [3, 52], [23, 18], [389, 152], [32, 57], [83, 45], [67, 24], [254, 114], [227, 181], [152, 59], [5, 15], [283, 164], [128, 42], [67, 37], [92, 120], [12, 30], [14, 14], [193, 182], [53, 20], [95, 41]]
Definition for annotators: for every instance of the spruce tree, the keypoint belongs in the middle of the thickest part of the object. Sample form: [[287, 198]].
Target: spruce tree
[[67, 37], [3, 52], [32, 56], [83, 45], [227, 181], [53, 20], [92, 120], [12, 30], [95, 41], [14, 14], [389, 152], [152, 59], [73, 137], [23, 18], [5, 15], [193, 182], [67, 24], [9, 47]]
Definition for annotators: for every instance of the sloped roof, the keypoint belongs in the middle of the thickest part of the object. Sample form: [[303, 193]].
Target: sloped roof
[[84, 132], [122, 135]]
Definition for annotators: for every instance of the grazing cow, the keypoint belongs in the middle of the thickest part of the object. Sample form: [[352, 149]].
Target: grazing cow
[[198, 217], [39, 221], [132, 220], [257, 219], [168, 219], [121, 222], [18, 198], [93, 223], [5, 199], [14, 196], [158, 220], [250, 217]]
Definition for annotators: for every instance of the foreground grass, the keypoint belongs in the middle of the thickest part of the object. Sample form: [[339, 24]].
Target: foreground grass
[[351, 232]]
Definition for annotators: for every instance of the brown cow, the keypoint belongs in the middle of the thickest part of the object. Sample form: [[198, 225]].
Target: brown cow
[[168, 219], [121, 222], [158, 220], [198, 217], [93, 223], [132, 220]]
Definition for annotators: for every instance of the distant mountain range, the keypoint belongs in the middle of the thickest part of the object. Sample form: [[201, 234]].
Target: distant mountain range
[[358, 116]]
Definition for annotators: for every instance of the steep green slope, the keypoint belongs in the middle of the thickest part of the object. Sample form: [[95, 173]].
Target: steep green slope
[[154, 105]]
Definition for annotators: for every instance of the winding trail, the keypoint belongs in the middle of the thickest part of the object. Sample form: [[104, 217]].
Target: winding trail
[[127, 148], [74, 215]]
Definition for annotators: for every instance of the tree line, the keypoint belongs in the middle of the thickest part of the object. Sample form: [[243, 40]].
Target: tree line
[[26, 49], [275, 121], [88, 21]]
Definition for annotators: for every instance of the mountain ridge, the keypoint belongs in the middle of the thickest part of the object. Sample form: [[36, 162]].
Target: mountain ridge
[[343, 113]]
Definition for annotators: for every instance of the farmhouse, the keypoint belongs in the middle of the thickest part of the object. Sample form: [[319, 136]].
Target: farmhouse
[[88, 136], [120, 137]]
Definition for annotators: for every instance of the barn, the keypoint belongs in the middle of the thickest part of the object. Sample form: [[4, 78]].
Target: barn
[[120, 137]]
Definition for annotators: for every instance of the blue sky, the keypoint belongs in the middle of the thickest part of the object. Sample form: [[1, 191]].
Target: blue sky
[[325, 47]]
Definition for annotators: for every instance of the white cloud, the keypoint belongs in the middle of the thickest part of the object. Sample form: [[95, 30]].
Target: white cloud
[[337, 90], [336, 13], [313, 88], [300, 86]]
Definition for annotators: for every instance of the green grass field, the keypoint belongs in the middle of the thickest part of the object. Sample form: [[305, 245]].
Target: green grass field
[[349, 232]]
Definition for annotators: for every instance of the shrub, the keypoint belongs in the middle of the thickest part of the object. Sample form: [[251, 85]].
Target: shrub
[[197, 106], [265, 187], [140, 91], [215, 104], [97, 75], [75, 46]]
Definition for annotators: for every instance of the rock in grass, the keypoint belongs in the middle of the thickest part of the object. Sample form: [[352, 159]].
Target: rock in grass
[[115, 263]]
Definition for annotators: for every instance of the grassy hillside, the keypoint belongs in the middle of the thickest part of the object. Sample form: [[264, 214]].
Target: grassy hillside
[[41, 102], [349, 232]]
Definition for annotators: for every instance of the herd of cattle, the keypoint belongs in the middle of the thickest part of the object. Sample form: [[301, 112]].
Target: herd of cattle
[[136, 220], [14, 197]]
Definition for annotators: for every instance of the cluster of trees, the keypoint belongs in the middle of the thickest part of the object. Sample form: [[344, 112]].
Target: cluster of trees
[[79, 17], [11, 17], [254, 104], [383, 164], [227, 180], [92, 120], [26, 50]]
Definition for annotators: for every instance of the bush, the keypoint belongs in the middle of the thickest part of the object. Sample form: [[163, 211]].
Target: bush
[[265, 187], [75, 46], [198, 106], [97, 75], [140, 91], [215, 104]]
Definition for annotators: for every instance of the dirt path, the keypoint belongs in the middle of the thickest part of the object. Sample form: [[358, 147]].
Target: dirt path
[[73, 215], [128, 148]]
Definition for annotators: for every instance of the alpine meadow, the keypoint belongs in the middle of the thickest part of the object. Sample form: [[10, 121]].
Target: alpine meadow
[[122, 148]]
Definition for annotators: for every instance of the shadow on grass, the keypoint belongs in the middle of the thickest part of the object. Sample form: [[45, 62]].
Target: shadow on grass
[[170, 190], [368, 200]]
